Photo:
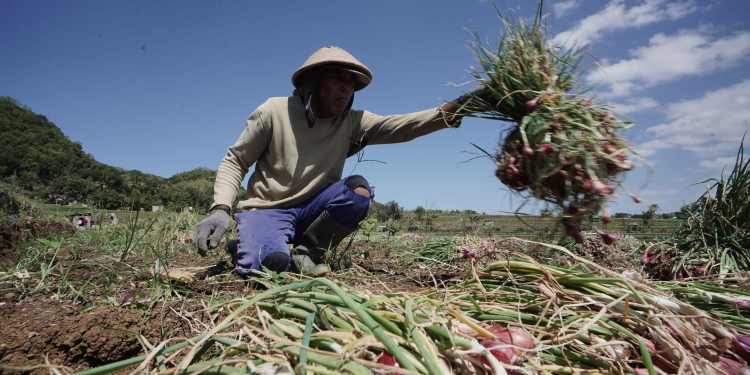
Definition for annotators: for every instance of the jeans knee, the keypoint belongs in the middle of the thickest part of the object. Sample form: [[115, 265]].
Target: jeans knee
[[360, 207], [277, 261], [353, 212], [272, 255], [357, 181]]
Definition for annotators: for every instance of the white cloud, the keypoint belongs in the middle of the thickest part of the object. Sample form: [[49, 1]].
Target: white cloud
[[711, 127], [634, 105], [562, 7], [617, 16], [677, 10], [667, 58]]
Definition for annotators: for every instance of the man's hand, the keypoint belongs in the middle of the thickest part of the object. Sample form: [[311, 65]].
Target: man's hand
[[453, 111], [450, 114], [209, 231]]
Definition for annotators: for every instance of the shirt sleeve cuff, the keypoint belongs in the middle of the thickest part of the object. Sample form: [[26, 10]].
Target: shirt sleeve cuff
[[455, 122]]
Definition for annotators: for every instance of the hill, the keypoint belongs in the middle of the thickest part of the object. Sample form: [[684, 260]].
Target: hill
[[38, 157]]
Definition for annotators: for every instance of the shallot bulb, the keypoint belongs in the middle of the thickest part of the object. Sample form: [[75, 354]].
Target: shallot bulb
[[588, 184], [601, 188], [528, 151], [741, 346], [608, 238], [513, 335], [509, 343], [608, 148], [648, 257], [388, 360], [732, 367], [500, 350], [546, 148], [532, 104]]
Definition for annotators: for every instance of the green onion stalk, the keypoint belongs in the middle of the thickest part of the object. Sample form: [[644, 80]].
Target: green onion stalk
[[714, 238]]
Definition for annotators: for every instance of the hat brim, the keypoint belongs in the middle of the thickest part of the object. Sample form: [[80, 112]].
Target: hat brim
[[361, 79]]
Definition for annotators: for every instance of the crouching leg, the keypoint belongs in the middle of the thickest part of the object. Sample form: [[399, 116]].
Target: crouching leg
[[262, 237], [338, 211]]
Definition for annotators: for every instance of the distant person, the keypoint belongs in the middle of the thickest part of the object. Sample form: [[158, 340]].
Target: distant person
[[296, 195]]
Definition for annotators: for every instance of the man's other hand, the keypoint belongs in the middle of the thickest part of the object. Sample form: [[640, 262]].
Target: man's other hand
[[209, 231]]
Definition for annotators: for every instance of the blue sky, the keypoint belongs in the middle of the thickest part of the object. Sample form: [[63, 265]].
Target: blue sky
[[165, 86]]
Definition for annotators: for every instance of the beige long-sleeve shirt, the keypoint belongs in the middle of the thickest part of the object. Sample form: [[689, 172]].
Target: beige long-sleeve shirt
[[293, 162]]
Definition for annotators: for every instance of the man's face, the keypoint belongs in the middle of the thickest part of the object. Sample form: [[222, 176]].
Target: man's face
[[335, 91]]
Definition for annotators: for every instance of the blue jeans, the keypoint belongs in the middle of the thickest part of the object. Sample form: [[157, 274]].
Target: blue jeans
[[262, 232]]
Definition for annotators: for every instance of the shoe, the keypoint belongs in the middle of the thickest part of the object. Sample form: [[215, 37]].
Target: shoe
[[321, 238], [277, 262], [305, 266]]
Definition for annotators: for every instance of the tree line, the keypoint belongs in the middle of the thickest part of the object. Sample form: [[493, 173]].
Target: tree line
[[37, 157]]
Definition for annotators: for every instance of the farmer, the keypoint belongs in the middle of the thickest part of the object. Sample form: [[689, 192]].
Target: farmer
[[296, 195]]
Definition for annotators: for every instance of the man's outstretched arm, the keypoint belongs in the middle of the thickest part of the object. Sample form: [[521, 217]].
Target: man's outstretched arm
[[376, 129]]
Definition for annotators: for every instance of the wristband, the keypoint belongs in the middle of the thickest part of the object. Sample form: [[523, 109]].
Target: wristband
[[222, 207]]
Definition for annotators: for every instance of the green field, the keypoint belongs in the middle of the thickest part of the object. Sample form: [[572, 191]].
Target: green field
[[535, 225]]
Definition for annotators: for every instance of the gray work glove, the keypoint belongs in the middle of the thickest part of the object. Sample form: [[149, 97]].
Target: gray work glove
[[209, 231]]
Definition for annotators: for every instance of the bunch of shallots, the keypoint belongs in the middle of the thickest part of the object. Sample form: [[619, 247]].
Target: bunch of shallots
[[563, 149]]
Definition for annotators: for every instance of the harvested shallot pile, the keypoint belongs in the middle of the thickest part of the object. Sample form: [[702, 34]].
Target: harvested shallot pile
[[563, 148], [515, 316]]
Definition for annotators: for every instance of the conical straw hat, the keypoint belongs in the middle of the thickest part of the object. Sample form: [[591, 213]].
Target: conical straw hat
[[336, 56]]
